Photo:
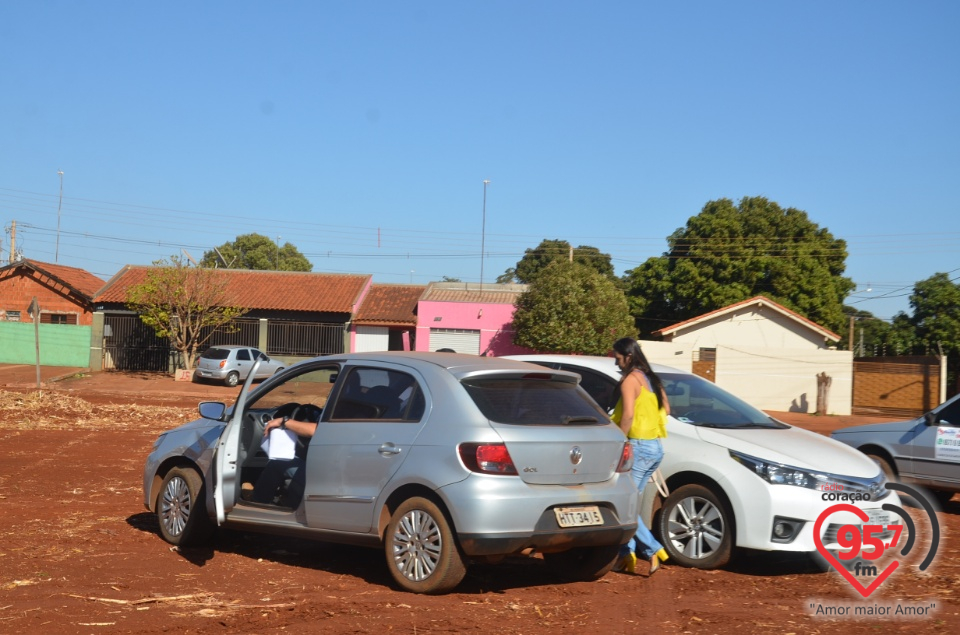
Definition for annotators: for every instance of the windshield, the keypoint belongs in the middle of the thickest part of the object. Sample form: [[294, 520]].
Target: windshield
[[534, 400], [699, 402]]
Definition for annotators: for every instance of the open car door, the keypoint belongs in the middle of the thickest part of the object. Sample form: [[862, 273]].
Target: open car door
[[228, 449]]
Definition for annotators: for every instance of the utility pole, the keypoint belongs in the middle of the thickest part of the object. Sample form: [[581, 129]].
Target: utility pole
[[56, 254], [13, 242], [278, 253], [483, 231]]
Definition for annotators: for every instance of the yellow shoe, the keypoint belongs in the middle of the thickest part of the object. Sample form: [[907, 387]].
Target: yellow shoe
[[626, 564], [663, 555], [656, 560]]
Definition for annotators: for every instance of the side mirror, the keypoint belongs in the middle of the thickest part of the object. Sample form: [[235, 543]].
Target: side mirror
[[930, 419], [212, 410]]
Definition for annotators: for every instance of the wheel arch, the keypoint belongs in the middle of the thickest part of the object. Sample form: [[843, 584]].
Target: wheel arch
[[679, 479], [883, 453], [405, 492], [163, 469]]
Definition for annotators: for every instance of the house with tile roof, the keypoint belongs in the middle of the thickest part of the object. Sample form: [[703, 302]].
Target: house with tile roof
[[64, 297], [387, 318], [468, 318], [65, 294], [769, 355], [292, 315]]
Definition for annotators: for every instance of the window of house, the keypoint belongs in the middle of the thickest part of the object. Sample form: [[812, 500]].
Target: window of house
[[58, 318], [13, 316]]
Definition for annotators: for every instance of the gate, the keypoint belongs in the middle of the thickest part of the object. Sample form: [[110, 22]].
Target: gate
[[129, 344]]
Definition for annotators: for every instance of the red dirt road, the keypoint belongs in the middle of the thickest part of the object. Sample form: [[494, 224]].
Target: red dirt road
[[80, 554]]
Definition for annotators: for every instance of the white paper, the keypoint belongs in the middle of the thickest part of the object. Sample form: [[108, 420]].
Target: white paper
[[281, 444]]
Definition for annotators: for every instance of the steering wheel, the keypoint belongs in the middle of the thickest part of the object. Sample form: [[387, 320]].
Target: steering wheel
[[288, 410]]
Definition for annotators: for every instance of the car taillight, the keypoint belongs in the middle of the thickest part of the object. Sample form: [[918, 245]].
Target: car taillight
[[487, 458], [626, 458], [223, 363]]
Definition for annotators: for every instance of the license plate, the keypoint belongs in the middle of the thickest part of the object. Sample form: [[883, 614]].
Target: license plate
[[877, 517], [578, 516]]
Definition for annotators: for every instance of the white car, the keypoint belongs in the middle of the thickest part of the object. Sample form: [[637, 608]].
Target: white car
[[738, 478]]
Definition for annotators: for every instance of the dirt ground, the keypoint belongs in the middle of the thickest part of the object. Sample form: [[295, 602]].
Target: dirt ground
[[80, 554]]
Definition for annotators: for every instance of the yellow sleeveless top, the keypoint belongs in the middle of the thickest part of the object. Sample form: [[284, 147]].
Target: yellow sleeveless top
[[649, 419]]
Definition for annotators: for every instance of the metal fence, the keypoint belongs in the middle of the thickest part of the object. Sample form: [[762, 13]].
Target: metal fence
[[304, 338], [243, 332], [129, 344]]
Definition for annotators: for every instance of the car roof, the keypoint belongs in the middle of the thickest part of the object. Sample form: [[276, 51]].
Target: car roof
[[598, 363], [458, 364]]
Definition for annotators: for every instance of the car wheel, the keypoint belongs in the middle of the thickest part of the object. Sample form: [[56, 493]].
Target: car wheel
[[422, 554], [182, 509], [233, 378], [942, 497], [696, 528], [885, 465], [582, 564]]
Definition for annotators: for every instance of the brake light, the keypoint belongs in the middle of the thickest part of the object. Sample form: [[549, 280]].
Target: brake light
[[223, 363], [626, 458], [487, 458]]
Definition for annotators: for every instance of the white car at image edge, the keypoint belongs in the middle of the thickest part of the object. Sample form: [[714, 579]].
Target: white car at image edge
[[738, 478]]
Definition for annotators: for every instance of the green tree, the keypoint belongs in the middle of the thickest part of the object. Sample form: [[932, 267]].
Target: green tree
[[256, 251], [548, 251], [936, 313], [182, 303], [571, 308], [732, 252]]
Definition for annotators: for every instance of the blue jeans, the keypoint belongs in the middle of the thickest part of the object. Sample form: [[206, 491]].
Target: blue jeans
[[647, 454]]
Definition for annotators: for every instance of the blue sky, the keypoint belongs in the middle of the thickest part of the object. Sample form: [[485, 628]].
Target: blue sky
[[361, 132]]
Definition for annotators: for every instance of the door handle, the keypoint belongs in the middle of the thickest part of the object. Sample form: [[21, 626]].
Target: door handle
[[388, 449]]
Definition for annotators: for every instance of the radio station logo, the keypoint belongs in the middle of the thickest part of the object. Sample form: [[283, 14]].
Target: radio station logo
[[862, 545]]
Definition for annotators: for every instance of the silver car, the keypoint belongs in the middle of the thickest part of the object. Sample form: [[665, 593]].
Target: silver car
[[439, 459], [924, 451], [231, 364]]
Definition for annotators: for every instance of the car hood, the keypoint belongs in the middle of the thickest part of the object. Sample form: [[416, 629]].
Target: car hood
[[795, 447], [895, 427], [197, 424]]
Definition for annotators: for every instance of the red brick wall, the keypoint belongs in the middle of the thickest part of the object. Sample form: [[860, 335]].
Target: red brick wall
[[16, 293], [898, 388]]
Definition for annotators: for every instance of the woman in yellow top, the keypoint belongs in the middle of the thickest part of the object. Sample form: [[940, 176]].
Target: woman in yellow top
[[641, 413]]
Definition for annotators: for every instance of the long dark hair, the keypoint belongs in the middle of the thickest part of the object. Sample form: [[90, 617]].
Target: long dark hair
[[636, 360]]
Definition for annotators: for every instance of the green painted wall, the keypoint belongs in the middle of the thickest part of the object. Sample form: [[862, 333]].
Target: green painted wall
[[60, 344]]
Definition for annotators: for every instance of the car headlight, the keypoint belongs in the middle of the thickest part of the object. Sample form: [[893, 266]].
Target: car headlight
[[780, 474]]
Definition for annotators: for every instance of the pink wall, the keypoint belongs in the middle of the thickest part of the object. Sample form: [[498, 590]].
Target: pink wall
[[494, 321]]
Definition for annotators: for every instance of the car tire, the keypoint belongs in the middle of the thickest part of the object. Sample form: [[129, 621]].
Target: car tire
[[696, 528], [182, 510], [885, 465], [233, 378], [582, 564], [422, 553]]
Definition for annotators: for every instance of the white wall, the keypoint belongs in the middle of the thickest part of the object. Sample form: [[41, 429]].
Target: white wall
[[786, 379], [675, 354]]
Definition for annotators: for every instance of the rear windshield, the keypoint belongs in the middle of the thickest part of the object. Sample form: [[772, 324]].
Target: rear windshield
[[215, 353], [534, 400]]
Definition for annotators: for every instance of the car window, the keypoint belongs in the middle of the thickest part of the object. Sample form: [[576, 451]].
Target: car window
[[243, 355], [700, 402], [602, 388], [534, 399], [215, 353], [950, 413], [378, 393], [312, 386]]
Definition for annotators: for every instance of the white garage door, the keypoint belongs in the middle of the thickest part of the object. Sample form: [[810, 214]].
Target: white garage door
[[372, 339], [460, 340]]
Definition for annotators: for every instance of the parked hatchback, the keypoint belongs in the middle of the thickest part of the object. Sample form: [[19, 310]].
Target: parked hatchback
[[439, 459], [231, 364], [924, 451], [736, 476]]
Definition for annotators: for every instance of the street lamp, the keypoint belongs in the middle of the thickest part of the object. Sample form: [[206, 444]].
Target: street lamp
[[56, 254]]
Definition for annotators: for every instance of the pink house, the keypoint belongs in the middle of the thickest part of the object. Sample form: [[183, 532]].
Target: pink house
[[468, 318]]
